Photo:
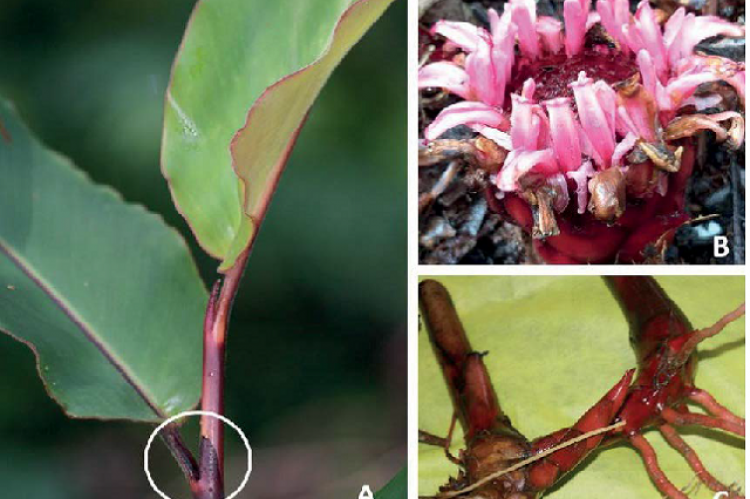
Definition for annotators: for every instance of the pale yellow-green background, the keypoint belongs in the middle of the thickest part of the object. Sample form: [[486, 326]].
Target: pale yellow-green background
[[557, 344]]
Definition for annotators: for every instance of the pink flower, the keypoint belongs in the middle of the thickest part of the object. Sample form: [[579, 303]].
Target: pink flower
[[601, 105], [596, 112], [488, 63], [565, 133], [576, 14], [466, 113]]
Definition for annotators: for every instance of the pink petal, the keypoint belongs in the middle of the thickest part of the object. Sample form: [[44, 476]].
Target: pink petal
[[502, 62], [682, 87], [622, 11], [703, 27], [465, 113], [592, 19], [723, 69], [625, 125], [651, 83], [607, 100], [483, 77], [524, 125], [519, 163], [632, 38], [465, 35], [586, 148], [581, 177], [529, 87], [575, 26], [642, 119], [503, 43], [614, 15], [506, 55], [673, 26], [594, 120], [500, 138], [607, 18], [495, 23], [524, 19], [444, 75], [544, 139], [673, 35], [500, 59], [638, 114], [507, 179], [550, 33], [648, 74], [624, 147], [529, 5], [501, 27], [487, 68], [564, 131], [651, 38]]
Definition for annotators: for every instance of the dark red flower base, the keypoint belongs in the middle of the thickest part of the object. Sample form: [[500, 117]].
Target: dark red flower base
[[554, 73], [646, 226]]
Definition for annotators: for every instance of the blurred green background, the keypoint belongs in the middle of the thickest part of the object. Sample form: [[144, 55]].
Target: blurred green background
[[317, 347]]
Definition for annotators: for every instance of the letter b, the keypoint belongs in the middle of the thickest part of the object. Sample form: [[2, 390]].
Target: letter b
[[721, 246]]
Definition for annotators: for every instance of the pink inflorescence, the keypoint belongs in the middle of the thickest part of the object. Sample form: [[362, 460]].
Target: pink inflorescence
[[569, 106]]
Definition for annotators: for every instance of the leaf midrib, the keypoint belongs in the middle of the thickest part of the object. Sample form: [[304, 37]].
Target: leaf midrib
[[86, 329]]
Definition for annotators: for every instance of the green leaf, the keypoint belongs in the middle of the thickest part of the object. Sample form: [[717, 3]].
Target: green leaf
[[556, 345], [103, 292], [247, 73], [396, 488]]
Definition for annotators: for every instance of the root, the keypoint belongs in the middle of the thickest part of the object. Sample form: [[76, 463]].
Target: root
[[430, 439], [529, 460], [654, 471], [676, 441], [709, 403], [689, 418], [444, 443], [449, 440], [703, 334]]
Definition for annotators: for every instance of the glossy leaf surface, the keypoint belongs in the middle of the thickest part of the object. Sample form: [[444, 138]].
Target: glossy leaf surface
[[103, 292], [397, 488], [556, 345], [232, 52]]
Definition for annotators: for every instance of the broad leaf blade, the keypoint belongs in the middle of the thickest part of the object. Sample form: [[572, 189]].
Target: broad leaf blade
[[104, 292], [232, 52], [556, 344], [261, 148], [397, 488]]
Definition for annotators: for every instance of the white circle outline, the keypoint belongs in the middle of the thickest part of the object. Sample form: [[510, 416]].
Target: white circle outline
[[185, 414]]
